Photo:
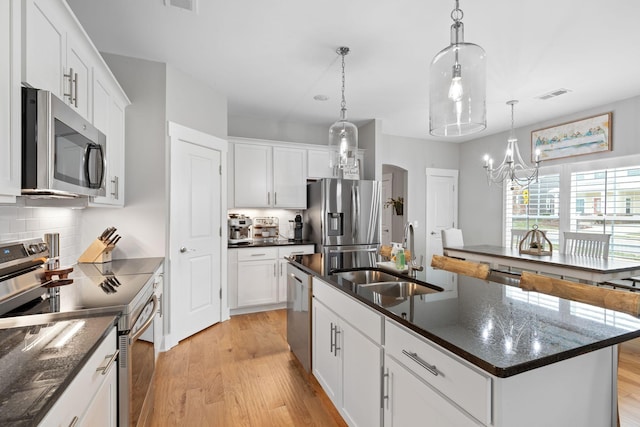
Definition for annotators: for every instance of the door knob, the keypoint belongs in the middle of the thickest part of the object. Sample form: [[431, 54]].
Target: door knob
[[183, 250], [433, 233]]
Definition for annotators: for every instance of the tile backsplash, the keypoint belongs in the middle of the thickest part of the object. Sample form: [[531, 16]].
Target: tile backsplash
[[22, 222]]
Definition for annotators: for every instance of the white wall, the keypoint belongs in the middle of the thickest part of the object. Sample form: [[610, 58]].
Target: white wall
[[480, 207], [248, 127], [158, 93], [416, 155], [142, 221]]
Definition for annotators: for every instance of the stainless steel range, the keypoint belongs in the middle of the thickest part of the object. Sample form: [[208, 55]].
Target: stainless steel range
[[124, 286]]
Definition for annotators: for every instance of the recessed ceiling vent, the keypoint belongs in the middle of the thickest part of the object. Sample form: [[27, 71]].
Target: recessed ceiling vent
[[189, 5], [553, 94]]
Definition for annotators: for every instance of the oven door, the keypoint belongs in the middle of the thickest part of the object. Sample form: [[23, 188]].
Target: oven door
[[137, 367]]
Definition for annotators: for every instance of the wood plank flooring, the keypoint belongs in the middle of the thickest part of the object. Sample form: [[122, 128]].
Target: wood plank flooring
[[241, 373]]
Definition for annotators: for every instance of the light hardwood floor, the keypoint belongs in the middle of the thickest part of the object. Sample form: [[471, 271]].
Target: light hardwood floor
[[241, 373]]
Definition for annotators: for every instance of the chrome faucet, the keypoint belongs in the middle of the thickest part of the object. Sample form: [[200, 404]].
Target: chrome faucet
[[408, 243]]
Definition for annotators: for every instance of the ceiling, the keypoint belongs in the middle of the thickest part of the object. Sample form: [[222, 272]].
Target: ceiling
[[270, 58]]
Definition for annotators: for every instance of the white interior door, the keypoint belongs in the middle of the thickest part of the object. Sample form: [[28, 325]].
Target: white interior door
[[198, 202], [442, 213], [387, 186]]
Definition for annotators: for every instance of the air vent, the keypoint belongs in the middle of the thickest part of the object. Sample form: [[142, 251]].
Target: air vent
[[189, 5], [553, 94]]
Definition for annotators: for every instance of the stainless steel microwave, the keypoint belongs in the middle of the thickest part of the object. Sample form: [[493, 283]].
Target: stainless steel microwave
[[63, 155]]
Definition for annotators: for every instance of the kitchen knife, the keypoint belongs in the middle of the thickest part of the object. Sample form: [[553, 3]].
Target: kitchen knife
[[110, 233], [115, 240], [103, 236]]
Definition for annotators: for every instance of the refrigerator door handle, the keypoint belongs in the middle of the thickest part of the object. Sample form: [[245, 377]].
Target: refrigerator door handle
[[338, 251], [355, 211]]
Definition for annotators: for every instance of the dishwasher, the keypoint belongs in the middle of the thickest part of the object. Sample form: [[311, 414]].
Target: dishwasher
[[299, 314]]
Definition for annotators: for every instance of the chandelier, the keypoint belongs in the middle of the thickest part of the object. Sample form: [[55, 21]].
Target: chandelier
[[457, 85], [343, 135], [512, 168]]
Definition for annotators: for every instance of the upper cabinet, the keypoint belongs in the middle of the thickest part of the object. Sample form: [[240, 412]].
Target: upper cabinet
[[267, 176], [58, 56], [10, 132]]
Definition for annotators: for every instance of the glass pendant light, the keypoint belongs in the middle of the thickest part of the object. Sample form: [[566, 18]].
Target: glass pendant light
[[457, 87], [343, 135]]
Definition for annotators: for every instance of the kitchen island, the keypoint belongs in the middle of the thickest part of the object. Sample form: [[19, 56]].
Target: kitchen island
[[504, 356]]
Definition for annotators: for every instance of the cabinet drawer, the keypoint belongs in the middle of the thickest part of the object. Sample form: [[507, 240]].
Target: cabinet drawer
[[363, 318], [465, 386], [295, 250], [254, 254]]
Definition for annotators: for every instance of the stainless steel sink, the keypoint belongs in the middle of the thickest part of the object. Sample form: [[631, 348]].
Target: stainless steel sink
[[397, 289], [363, 277]]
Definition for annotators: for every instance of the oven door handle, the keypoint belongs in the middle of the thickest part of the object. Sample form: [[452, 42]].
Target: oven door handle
[[144, 327]]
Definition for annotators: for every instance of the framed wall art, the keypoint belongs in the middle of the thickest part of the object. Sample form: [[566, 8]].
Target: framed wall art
[[584, 136]]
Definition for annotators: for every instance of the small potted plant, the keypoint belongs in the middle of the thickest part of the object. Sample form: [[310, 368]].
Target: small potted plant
[[398, 204]]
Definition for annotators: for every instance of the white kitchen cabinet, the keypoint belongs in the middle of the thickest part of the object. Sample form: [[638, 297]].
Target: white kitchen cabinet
[[10, 101], [91, 398], [111, 116], [347, 354], [257, 276], [318, 164], [282, 266], [57, 56], [267, 176], [408, 400]]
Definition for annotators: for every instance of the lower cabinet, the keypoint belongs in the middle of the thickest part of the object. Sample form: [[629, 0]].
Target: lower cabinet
[[92, 397], [346, 360], [409, 401], [257, 276]]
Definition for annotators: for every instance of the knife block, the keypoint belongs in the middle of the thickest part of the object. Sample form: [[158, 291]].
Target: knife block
[[97, 252]]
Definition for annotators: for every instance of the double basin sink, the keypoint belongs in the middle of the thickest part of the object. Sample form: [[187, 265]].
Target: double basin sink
[[383, 288]]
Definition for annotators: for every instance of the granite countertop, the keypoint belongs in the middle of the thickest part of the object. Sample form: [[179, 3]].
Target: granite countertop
[[496, 326], [35, 372], [263, 243]]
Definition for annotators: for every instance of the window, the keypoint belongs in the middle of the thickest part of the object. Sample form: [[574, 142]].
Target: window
[[537, 204], [603, 202]]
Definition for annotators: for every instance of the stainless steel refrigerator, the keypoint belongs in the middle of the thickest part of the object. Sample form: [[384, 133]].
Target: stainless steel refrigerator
[[343, 220]]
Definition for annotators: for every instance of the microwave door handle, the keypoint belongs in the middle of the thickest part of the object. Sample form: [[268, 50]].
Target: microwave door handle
[[87, 161]]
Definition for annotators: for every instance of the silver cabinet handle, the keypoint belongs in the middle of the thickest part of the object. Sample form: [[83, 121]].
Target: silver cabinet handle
[[75, 89], [335, 347], [105, 369], [268, 197], [258, 254], [280, 269], [275, 198], [70, 93], [385, 389], [274, 271], [332, 343], [296, 252], [295, 277], [421, 362], [74, 421]]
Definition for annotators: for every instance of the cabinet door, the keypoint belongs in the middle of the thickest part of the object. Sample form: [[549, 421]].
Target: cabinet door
[[289, 178], [361, 362], [257, 283], [103, 409], [318, 164], [44, 47], [252, 176], [326, 361], [78, 69], [114, 128], [409, 401], [10, 108]]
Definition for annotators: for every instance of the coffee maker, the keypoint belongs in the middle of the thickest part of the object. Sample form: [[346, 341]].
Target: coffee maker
[[297, 231], [239, 229]]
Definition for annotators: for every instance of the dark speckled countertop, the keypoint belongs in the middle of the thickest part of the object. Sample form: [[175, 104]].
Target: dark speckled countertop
[[34, 371], [496, 326]]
